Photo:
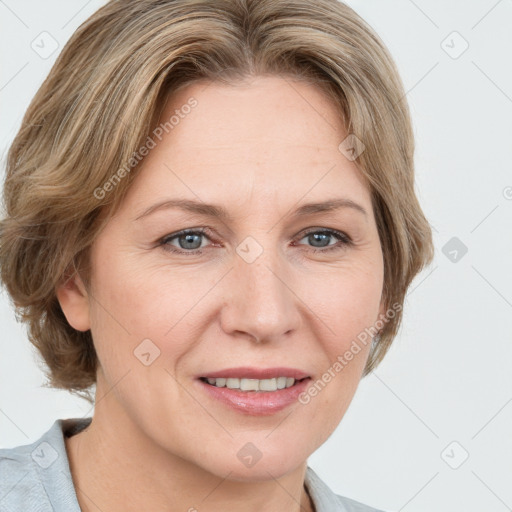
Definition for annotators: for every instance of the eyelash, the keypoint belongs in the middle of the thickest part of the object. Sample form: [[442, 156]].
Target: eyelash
[[342, 237]]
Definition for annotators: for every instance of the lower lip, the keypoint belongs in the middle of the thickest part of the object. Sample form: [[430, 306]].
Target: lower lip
[[256, 403]]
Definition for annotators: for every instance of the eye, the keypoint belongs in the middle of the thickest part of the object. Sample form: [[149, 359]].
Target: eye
[[189, 241], [322, 238]]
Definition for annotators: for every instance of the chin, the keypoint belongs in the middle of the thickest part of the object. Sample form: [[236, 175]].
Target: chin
[[252, 461], [260, 472]]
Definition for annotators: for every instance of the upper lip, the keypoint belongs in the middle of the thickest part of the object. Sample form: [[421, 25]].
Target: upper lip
[[249, 372]]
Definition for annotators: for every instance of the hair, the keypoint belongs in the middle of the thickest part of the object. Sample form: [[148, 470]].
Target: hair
[[102, 98]]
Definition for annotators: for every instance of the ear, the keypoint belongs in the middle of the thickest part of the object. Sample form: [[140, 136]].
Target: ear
[[74, 301], [382, 309]]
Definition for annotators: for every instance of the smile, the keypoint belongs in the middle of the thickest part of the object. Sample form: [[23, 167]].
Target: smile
[[247, 384], [254, 391]]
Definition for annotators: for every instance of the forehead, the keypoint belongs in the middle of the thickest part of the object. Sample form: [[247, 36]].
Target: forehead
[[270, 137], [273, 110]]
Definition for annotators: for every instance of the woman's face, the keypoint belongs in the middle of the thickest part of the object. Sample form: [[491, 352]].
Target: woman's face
[[268, 290]]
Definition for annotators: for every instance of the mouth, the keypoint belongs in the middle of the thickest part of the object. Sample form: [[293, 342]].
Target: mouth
[[258, 392], [247, 384]]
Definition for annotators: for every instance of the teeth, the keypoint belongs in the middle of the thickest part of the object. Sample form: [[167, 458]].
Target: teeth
[[249, 384], [253, 384], [233, 383], [266, 385], [281, 382]]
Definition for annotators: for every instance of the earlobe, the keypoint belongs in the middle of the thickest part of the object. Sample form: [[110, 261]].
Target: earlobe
[[382, 317], [74, 302], [382, 310]]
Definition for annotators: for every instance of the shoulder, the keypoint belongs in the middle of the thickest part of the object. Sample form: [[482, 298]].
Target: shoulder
[[325, 500], [20, 483], [36, 476], [349, 505]]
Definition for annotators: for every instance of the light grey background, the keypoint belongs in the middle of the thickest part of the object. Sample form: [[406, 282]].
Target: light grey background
[[447, 378]]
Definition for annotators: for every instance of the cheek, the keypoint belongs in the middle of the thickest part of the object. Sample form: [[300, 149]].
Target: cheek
[[140, 309], [346, 299], [135, 300], [348, 304], [138, 299]]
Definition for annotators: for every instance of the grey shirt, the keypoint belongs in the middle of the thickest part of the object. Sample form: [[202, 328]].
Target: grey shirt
[[36, 477]]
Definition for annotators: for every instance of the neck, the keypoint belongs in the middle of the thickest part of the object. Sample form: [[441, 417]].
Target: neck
[[116, 467]]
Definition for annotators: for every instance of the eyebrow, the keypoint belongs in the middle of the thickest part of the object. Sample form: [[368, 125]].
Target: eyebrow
[[217, 211]]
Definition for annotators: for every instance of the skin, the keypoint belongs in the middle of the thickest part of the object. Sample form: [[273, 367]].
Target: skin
[[260, 149]]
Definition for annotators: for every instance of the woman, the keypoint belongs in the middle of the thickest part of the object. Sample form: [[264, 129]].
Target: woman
[[211, 217]]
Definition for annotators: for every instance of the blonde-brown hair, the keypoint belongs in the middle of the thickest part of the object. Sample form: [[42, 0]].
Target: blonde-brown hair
[[101, 100]]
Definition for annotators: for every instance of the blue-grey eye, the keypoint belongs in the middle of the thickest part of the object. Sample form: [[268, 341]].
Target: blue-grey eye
[[188, 241], [321, 237]]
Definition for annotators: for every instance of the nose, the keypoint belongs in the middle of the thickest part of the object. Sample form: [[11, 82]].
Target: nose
[[259, 300]]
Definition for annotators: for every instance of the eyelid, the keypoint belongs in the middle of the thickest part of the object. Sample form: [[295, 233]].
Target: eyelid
[[204, 230], [344, 236], [344, 240]]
